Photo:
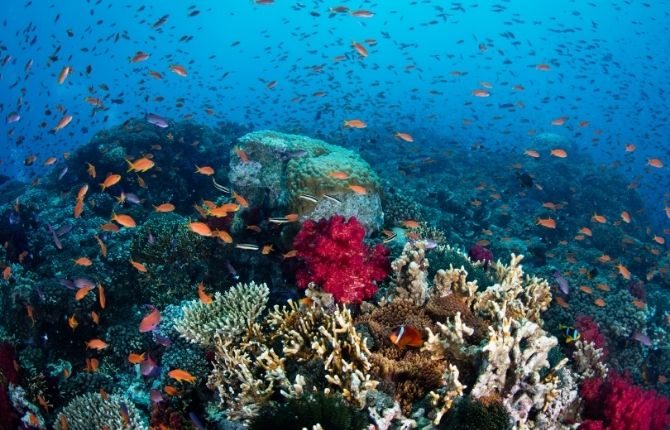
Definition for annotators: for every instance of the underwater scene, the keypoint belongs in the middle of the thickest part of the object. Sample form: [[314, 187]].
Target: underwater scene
[[335, 215]]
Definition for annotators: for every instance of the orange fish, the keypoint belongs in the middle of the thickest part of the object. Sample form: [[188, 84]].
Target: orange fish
[[600, 303], [360, 49], [630, 147], [64, 73], [358, 189], [623, 271], [141, 165], [31, 314], [267, 249], [586, 231], [95, 317], [223, 235], [83, 261], [406, 335], [7, 273], [292, 253], [136, 358], [78, 208], [560, 153], [164, 207], [181, 376], [72, 322], [604, 258], [82, 192], [82, 292], [339, 175], [655, 162], [532, 153], [410, 223], [559, 121], [125, 220], [404, 136], [543, 67], [205, 170], [200, 228], [639, 304], [240, 200], [139, 56], [355, 123], [659, 239], [625, 217], [138, 266], [586, 289], [96, 344], [103, 247], [599, 218], [102, 300], [240, 153], [62, 123], [170, 390], [179, 70], [49, 161], [150, 321], [480, 93], [202, 295], [110, 180], [546, 222]]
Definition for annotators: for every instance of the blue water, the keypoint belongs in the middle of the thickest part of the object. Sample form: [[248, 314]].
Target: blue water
[[608, 66]]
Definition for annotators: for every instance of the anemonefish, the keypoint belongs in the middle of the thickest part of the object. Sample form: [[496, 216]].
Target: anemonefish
[[406, 335], [571, 333]]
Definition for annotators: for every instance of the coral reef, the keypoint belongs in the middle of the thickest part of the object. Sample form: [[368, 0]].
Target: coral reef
[[337, 260], [92, 410]]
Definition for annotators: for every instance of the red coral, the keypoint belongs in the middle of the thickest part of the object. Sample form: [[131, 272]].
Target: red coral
[[336, 259], [589, 331], [620, 405]]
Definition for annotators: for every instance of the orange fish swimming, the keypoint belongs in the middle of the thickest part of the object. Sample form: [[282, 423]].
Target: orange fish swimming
[[406, 335], [136, 358], [62, 123], [141, 165], [179, 70], [358, 189], [125, 220], [339, 175], [138, 266], [204, 170], [623, 271], [546, 222], [150, 321], [655, 162], [202, 295], [164, 207], [181, 375], [200, 228], [560, 153], [404, 136], [360, 49], [96, 344], [109, 181], [355, 123], [625, 217], [532, 153]]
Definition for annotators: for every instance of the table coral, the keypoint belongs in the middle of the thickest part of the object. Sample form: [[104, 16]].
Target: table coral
[[336, 258]]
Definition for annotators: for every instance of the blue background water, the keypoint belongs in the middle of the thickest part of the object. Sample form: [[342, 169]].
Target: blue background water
[[608, 65]]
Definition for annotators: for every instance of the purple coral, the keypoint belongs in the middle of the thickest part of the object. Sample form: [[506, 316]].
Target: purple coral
[[479, 253]]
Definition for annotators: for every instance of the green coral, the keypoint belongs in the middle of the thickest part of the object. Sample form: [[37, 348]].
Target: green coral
[[330, 411], [445, 256]]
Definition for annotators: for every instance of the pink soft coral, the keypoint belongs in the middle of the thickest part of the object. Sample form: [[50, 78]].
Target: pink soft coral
[[617, 404], [8, 374], [336, 259]]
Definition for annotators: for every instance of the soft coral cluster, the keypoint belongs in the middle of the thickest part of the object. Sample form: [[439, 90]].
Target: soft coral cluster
[[617, 404], [336, 258]]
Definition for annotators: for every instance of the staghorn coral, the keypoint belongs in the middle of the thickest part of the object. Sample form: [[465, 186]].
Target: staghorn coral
[[230, 313], [444, 397], [91, 410], [589, 360]]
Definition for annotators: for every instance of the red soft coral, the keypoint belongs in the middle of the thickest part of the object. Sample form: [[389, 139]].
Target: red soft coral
[[336, 258], [589, 332], [620, 405], [8, 374]]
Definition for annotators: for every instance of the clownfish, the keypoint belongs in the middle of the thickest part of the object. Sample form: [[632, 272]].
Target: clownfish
[[406, 335], [571, 333]]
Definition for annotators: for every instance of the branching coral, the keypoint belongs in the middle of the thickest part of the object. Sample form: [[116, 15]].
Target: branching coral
[[251, 368], [231, 313], [91, 410]]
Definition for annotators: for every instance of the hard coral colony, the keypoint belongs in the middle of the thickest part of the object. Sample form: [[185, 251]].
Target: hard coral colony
[[181, 274]]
